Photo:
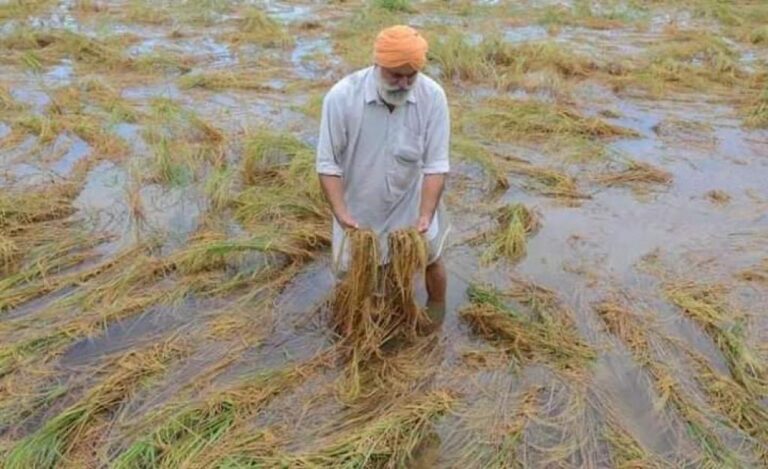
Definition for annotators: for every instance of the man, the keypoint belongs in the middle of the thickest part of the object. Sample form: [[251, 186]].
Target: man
[[382, 155]]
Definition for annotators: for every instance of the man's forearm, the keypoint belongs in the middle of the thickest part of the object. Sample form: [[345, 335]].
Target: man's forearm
[[431, 190], [333, 188]]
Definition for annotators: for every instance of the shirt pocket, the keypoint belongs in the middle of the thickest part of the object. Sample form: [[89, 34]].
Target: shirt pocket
[[407, 161]]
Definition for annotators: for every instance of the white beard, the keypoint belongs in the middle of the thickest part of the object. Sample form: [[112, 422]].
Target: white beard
[[392, 95]]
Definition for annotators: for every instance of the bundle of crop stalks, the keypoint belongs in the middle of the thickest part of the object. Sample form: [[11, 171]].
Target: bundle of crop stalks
[[626, 451], [687, 60], [388, 439], [506, 118], [114, 290], [492, 428], [570, 421], [718, 196], [282, 191], [627, 327], [514, 224], [182, 434], [7, 102], [547, 181], [222, 80], [80, 424], [636, 173], [36, 237], [361, 28], [372, 304], [474, 152], [36, 205], [213, 264], [46, 266], [254, 26], [502, 63], [757, 111], [742, 409], [758, 273], [50, 46], [19, 9], [727, 328], [525, 339], [68, 113]]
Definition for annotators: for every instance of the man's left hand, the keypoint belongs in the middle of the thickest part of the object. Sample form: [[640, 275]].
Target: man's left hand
[[423, 224]]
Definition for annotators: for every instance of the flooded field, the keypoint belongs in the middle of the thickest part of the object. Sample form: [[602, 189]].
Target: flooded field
[[164, 244]]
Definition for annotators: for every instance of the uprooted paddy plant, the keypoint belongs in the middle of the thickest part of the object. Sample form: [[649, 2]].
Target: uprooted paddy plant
[[374, 303]]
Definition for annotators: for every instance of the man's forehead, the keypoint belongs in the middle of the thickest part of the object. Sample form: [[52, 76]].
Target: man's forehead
[[401, 70]]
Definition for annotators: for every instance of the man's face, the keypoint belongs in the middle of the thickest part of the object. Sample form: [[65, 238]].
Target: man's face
[[396, 83]]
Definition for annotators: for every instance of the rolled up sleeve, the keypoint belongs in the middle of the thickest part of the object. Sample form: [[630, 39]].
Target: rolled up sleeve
[[332, 140], [438, 137]]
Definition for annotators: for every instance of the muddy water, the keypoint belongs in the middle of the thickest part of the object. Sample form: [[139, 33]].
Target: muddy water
[[584, 253]]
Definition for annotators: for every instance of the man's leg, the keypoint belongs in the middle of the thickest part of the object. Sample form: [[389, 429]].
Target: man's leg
[[436, 279]]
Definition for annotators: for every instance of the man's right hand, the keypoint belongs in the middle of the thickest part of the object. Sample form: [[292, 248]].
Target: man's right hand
[[347, 222]]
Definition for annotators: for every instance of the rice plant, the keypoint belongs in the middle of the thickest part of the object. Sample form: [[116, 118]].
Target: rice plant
[[706, 306], [371, 305], [506, 118], [635, 174], [474, 152], [178, 435], [387, 440], [492, 433], [757, 274], [624, 325], [256, 27], [757, 112], [59, 436], [222, 80], [523, 338], [515, 223]]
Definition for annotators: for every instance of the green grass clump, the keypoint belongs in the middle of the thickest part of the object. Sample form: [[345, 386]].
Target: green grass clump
[[759, 35], [394, 5], [458, 59], [256, 27], [23, 8], [353, 39], [581, 13]]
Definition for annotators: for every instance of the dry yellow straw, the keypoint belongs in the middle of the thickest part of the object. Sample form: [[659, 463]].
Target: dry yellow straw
[[407, 258], [372, 304]]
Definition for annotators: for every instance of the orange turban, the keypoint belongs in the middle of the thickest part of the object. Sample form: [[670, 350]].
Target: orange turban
[[400, 45]]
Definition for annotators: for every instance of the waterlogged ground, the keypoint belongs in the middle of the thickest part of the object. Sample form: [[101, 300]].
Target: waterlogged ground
[[165, 256]]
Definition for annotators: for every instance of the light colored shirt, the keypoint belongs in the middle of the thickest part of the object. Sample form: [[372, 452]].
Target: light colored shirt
[[383, 156]]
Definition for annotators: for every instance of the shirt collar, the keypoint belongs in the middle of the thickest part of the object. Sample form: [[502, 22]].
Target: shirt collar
[[372, 94]]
